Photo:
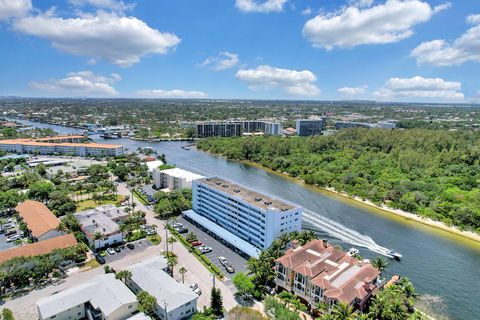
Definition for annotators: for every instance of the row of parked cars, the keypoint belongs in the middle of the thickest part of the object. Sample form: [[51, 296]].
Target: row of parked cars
[[100, 256], [150, 199], [9, 228], [227, 265], [179, 227]]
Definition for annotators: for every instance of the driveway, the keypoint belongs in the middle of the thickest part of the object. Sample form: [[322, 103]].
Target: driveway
[[140, 245]]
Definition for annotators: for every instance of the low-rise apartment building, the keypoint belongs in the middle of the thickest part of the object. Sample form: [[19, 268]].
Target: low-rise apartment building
[[318, 272], [174, 178], [252, 216], [60, 145], [102, 298], [175, 301], [42, 224], [101, 225]]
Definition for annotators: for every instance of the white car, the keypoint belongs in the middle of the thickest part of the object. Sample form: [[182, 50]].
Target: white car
[[13, 238], [222, 260], [111, 251], [205, 249]]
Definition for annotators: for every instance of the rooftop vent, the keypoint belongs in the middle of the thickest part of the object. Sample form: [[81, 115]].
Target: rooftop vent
[[209, 179], [258, 199], [236, 190], [218, 183], [268, 203], [225, 185]]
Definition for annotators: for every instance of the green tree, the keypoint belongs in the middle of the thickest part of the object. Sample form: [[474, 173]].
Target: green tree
[[182, 271], [243, 283], [379, 263], [40, 191], [216, 302], [124, 275], [342, 311], [7, 314], [147, 302]]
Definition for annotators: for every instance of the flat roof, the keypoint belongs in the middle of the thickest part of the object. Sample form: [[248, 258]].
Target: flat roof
[[234, 240], [255, 198], [100, 219], [150, 277], [180, 173], [104, 292]]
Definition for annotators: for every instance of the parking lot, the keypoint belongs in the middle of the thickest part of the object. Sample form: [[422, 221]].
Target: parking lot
[[4, 245], [218, 249], [139, 246]]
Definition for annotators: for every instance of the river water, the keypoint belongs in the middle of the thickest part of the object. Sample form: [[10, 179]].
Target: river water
[[438, 263]]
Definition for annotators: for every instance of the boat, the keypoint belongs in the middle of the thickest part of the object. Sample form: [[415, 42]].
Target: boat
[[393, 254], [353, 251]]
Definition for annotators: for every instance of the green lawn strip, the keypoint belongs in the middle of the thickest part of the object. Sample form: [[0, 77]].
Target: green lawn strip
[[140, 198], [203, 260]]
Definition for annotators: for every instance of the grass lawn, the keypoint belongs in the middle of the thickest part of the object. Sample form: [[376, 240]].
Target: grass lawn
[[91, 264], [87, 204], [155, 239]]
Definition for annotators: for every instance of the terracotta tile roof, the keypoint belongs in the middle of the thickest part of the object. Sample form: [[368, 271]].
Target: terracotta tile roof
[[38, 248], [38, 217], [30, 142]]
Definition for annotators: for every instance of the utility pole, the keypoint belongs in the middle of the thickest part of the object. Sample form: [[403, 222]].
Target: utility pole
[[165, 304], [213, 280]]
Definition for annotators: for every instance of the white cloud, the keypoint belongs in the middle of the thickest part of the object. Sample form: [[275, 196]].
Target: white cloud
[[352, 91], [361, 3], [82, 83], [307, 11], [263, 6], [420, 88], [14, 8], [292, 81], [114, 5], [174, 94], [225, 60], [117, 39], [443, 53], [390, 22]]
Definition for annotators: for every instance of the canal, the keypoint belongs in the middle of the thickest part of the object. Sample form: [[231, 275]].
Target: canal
[[439, 264]]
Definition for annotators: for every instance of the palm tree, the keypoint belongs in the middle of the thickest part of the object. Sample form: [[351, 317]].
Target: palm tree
[[147, 301], [379, 263], [171, 241], [97, 235], [342, 311], [172, 261], [124, 275], [182, 271]]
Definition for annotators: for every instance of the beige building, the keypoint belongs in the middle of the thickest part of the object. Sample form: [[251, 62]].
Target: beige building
[[42, 224], [318, 272]]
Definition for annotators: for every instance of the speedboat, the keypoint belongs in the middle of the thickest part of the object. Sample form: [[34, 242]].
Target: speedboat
[[394, 254], [353, 251]]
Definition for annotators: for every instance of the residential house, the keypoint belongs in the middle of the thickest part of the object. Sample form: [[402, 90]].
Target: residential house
[[319, 272]]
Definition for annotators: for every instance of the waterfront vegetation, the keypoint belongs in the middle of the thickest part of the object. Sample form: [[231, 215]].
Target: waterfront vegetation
[[432, 173]]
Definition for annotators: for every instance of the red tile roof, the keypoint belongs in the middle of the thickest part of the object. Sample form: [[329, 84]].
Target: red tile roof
[[38, 217], [38, 248]]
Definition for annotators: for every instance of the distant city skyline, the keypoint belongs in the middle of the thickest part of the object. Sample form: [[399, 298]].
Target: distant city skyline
[[383, 50]]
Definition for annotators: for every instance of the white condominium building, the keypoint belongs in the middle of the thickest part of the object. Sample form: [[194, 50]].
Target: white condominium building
[[103, 297], [174, 179], [254, 217]]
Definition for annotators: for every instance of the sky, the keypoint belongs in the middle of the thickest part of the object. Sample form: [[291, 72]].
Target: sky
[[384, 50]]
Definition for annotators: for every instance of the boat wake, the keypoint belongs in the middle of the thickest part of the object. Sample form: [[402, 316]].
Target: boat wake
[[339, 231]]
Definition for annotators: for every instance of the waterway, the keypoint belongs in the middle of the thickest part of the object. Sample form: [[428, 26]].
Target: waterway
[[438, 263]]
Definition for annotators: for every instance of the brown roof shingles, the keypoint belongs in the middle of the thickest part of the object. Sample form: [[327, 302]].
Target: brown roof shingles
[[38, 217], [38, 248]]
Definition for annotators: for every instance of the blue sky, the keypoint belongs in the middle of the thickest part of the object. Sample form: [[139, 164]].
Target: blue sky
[[387, 50]]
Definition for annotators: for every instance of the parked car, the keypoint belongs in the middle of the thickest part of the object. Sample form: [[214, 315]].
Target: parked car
[[229, 268], [13, 238], [197, 291], [182, 230], [196, 243], [177, 225], [111, 251], [222, 260], [151, 232], [100, 259], [205, 249], [117, 249], [130, 246]]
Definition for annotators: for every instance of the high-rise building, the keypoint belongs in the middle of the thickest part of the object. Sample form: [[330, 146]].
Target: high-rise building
[[310, 127], [219, 129], [255, 218]]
